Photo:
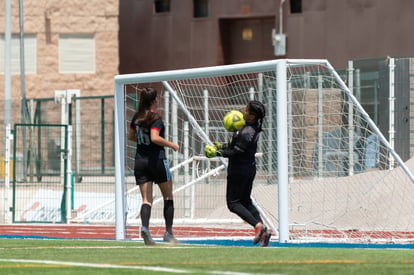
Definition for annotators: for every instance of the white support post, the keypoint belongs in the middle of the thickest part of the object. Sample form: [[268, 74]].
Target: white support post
[[167, 114], [174, 124], [60, 97], [193, 177], [307, 80], [358, 92], [251, 93], [290, 129], [26, 164], [260, 86], [270, 134], [391, 129], [69, 172], [69, 176], [358, 84], [260, 98], [282, 151], [206, 110], [351, 119], [9, 138], [187, 200], [321, 156], [7, 62], [120, 213], [206, 121], [65, 99], [78, 135]]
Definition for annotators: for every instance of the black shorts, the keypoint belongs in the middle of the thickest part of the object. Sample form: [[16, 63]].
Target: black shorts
[[240, 183], [151, 170]]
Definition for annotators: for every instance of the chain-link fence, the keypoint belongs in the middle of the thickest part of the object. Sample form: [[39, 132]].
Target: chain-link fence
[[38, 153], [385, 88]]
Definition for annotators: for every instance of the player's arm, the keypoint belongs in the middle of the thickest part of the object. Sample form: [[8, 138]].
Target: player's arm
[[242, 142], [132, 134], [231, 152], [160, 141]]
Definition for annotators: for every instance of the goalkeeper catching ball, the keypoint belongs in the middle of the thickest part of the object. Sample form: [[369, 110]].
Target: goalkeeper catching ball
[[241, 169]]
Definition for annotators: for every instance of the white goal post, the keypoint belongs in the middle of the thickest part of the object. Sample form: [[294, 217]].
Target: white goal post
[[325, 167]]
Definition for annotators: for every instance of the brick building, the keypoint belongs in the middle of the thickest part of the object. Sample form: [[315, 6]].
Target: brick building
[[171, 34], [69, 44], [127, 36]]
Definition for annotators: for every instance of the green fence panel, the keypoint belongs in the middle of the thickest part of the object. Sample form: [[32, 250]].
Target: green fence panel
[[40, 173]]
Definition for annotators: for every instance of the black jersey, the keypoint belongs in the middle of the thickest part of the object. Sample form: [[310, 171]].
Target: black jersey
[[145, 147], [243, 146]]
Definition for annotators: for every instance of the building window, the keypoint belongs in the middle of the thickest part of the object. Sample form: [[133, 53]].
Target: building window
[[162, 6], [30, 56], [200, 8], [76, 53], [295, 6]]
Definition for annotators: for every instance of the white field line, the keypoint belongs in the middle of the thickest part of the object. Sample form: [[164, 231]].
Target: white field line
[[148, 268], [96, 247]]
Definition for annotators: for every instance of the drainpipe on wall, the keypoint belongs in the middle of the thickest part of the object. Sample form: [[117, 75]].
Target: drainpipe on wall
[[279, 38]]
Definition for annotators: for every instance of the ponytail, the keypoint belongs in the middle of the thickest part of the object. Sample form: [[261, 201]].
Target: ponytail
[[146, 98], [258, 110]]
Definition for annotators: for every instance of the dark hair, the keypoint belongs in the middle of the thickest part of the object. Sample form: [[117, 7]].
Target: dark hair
[[258, 110], [146, 98]]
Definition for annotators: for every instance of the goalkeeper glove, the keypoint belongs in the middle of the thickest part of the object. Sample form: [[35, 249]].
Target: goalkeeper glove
[[218, 145], [211, 151]]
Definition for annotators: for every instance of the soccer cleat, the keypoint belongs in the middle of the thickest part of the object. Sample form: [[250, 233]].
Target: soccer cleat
[[146, 235], [259, 230], [264, 240], [169, 238]]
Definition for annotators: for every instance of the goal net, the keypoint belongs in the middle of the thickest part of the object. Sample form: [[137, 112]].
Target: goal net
[[324, 170]]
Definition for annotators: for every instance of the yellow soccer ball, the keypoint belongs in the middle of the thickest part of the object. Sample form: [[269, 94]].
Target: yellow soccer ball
[[233, 121]]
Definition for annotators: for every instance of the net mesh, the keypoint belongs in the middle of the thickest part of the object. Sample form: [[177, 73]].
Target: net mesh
[[344, 181]]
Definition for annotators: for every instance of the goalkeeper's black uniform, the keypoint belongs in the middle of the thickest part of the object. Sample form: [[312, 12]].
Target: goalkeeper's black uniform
[[241, 172]]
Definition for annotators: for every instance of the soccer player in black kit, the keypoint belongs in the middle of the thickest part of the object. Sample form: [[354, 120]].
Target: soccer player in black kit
[[241, 169], [151, 165]]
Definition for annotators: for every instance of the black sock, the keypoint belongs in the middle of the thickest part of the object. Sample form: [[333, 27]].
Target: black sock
[[145, 214], [169, 215]]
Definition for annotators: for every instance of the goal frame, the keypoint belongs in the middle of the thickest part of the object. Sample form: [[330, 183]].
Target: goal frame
[[280, 65]]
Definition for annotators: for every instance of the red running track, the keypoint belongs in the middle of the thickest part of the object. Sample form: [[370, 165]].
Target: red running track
[[90, 231], [108, 232]]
